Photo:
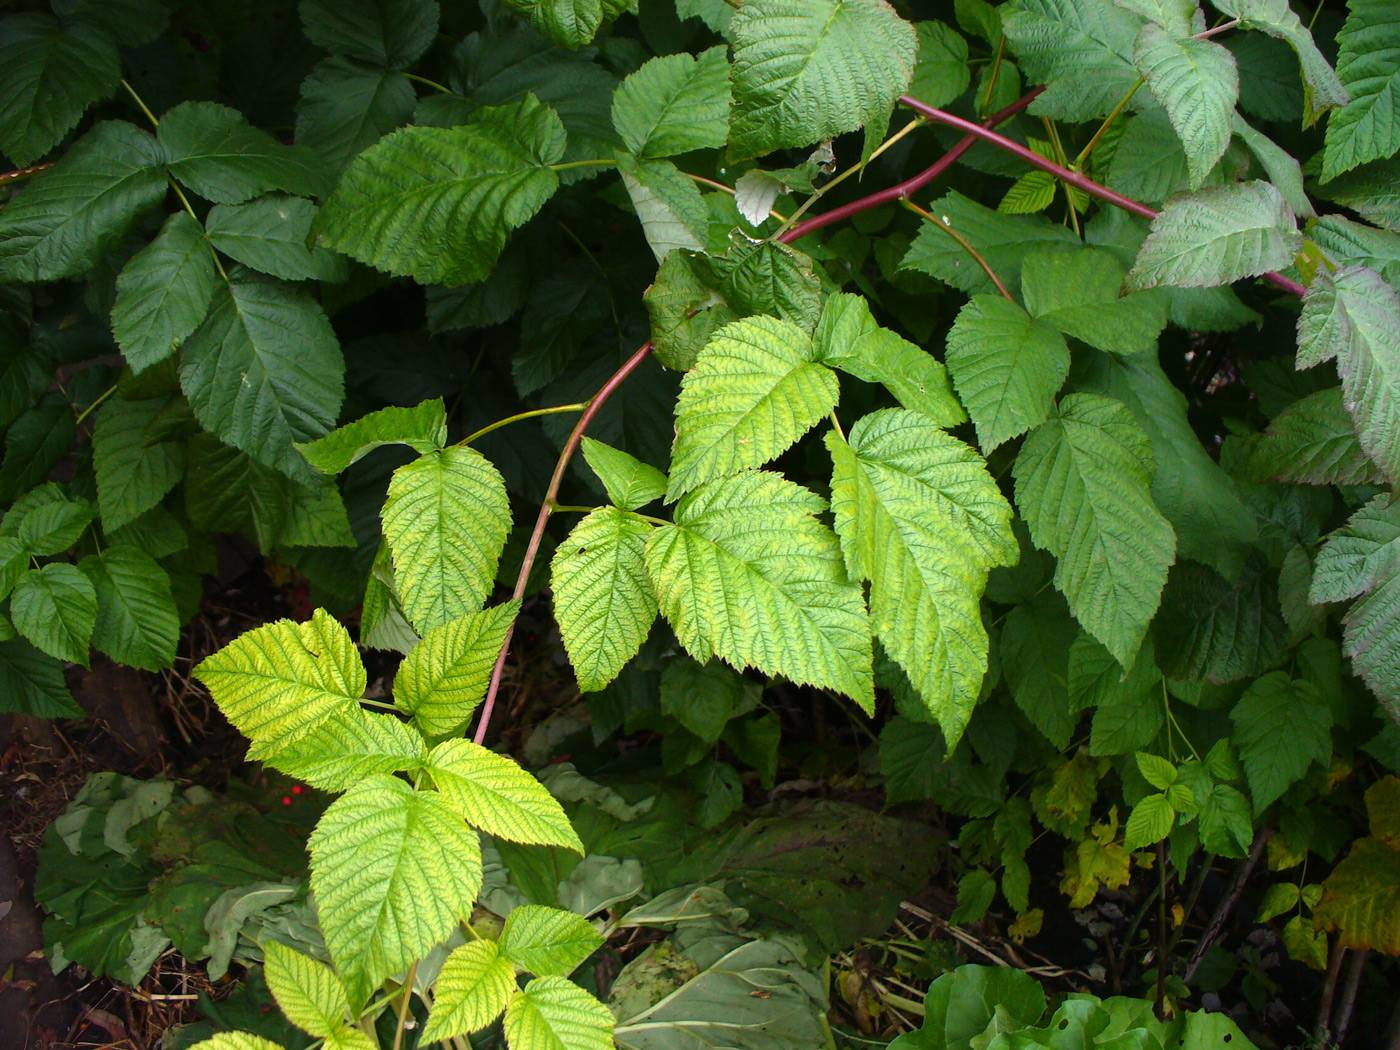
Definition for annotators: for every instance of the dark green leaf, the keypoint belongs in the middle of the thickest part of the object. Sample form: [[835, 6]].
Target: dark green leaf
[[31, 683], [136, 619], [55, 607], [164, 292], [347, 107], [215, 152], [392, 33]]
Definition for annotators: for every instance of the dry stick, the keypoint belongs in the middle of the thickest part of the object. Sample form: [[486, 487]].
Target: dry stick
[[1222, 912], [1074, 178], [1329, 990], [1344, 1008]]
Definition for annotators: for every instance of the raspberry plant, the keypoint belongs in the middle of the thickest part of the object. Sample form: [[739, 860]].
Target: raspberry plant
[[1007, 494]]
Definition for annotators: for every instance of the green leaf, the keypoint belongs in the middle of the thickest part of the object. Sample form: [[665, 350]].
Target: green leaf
[[1373, 191], [1313, 442], [422, 428], [394, 871], [1097, 679], [941, 73], [1197, 83], [54, 527], [1217, 235], [309, 992], [344, 749], [1368, 65], [667, 202], [1003, 240], [1156, 770], [1281, 728], [235, 1041], [50, 72], [1082, 487], [1354, 243], [277, 683], [73, 214], [264, 371], [569, 23], [1226, 827], [704, 698], [1032, 192], [23, 375], [494, 794], [1361, 898], [1149, 822], [1277, 18], [923, 521], [270, 234], [848, 338], [1082, 49], [472, 990], [1079, 293], [1353, 316], [137, 623], [1034, 652], [132, 476], [32, 683], [1173, 15], [392, 33], [440, 682], [771, 278], [164, 292], [1283, 170], [548, 942], [674, 104], [807, 70], [1278, 898], [684, 312], [553, 1013], [446, 518], [438, 204], [1213, 630], [215, 152], [55, 607], [1149, 164], [754, 390], [603, 599], [749, 574], [347, 107], [630, 483], [1006, 365]]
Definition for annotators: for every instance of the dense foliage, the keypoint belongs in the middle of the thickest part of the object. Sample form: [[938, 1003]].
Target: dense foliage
[[1056, 430]]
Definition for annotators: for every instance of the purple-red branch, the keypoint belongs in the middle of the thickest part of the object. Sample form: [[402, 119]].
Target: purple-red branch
[[972, 132]]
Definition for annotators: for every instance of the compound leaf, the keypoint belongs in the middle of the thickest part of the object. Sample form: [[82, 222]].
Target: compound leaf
[[344, 749], [629, 482], [55, 607], [546, 941], [214, 151], [132, 476], [309, 992], [1079, 292], [269, 234], [553, 1013]]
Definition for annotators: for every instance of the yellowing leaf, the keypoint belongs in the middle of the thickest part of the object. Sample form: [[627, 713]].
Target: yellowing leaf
[[473, 988], [496, 795], [552, 1013], [443, 678], [308, 992]]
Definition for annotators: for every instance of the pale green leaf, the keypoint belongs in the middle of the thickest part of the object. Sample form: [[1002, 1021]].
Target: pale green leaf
[[1082, 486], [1079, 292], [1007, 367], [1149, 164], [603, 599], [630, 483], [163, 293], [472, 990], [1277, 899], [214, 151], [394, 872], [1197, 83], [1082, 49], [753, 392], [74, 213], [749, 574], [667, 202], [270, 234], [1032, 192], [344, 749], [132, 476], [1368, 65], [445, 675], [1278, 19], [923, 521], [1354, 243], [674, 104], [1149, 822], [1003, 240], [1313, 442], [279, 682], [1177, 16], [32, 683], [264, 371], [235, 1041], [569, 23], [1281, 728], [309, 992], [1217, 235], [446, 519], [438, 204], [51, 70], [553, 1013], [548, 942], [941, 73], [422, 428], [1156, 770], [496, 795], [391, 33], [848, 338], [1353, 316], [137, 622], [55, 607], [807, 70]]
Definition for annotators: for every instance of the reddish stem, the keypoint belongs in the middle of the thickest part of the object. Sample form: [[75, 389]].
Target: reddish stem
[[1074, 178]]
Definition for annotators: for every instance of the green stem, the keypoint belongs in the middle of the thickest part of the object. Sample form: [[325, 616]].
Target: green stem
[[379, 704], [553, 410], [1060, 158], [92, 407], [1207, 34], [992, 80], [190, 208], [403, 1005], [1108, 121], [976, 255], [837, 424], [443, 89], [560, 508], [598, 163], [144, 108]]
